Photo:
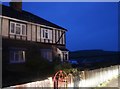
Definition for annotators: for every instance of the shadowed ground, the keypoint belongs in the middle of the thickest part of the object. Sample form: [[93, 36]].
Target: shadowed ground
[[114, 83]]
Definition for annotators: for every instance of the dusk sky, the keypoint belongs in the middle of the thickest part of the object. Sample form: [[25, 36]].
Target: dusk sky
[[90, 25]]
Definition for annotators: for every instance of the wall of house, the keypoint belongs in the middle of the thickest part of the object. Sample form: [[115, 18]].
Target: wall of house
[[0, 25], [5, 27], [33, 32], [29, 32], [59, 52], [62, 54]]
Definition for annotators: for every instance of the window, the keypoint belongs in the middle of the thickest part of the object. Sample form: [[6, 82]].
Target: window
[[47, 54], [43, 33], [17, 28], [46, 33], [17, 56], [59, 56], [12, 28], [65, 56]]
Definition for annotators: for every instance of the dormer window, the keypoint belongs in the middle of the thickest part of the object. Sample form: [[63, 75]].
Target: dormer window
[[17, 28]]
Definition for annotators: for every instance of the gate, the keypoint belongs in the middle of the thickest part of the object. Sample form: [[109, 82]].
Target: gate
[[60, 79]]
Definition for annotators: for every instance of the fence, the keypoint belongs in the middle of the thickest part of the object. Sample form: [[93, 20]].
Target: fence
[[93, 78], [88, 78]]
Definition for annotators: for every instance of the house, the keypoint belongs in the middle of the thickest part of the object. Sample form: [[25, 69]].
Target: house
[[21, 29]]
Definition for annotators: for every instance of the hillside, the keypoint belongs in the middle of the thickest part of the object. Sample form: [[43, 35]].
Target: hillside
[[90, 53], [95, 58]]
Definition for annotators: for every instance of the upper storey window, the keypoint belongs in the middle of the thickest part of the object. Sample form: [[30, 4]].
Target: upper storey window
[[17, 28], [46, 33]]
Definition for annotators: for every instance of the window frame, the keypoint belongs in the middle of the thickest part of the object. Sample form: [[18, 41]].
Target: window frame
[[21, 28], [11, 27], [44, 32], [47, 54], [18, 53], [65, 55]]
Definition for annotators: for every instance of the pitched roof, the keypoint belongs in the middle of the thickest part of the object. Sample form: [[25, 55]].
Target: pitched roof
[[27, 16], [63, 49]]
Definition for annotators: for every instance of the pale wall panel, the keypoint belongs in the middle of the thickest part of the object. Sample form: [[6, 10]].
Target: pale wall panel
[[42, 40], [17, 37], [33, 33], [5, 27], [64, 38], [53, 35], [50, 34], [29, 32], [57, 36], [38, 33], [61, 37], [0, 25]]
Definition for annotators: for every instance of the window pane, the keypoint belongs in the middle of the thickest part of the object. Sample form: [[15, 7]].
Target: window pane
[[11, 56], [16, 57], [46, 35], [23, 30], [43, 33], [17, 30], [50, 34], [47, 54], [66, 56], [18, 24], [12, 30], [22, 56]]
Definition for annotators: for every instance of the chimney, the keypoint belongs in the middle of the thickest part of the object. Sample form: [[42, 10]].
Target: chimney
[[16, 4]]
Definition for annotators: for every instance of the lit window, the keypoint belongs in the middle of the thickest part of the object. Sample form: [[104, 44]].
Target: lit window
[[17, 56]]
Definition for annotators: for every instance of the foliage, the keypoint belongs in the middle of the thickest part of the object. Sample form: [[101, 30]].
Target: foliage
[[63, 66], [56, 61], [35, 62]]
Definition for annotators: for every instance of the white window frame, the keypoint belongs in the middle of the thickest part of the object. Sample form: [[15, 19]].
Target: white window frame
[[11, 22], [19, 60], [65, 53], [10, 28], [43, 32]]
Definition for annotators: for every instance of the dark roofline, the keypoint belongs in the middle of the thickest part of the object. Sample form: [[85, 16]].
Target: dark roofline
[[27, 16]]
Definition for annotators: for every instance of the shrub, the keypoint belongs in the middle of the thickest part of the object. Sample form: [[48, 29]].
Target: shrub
[[63, 66], [35, 62]]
